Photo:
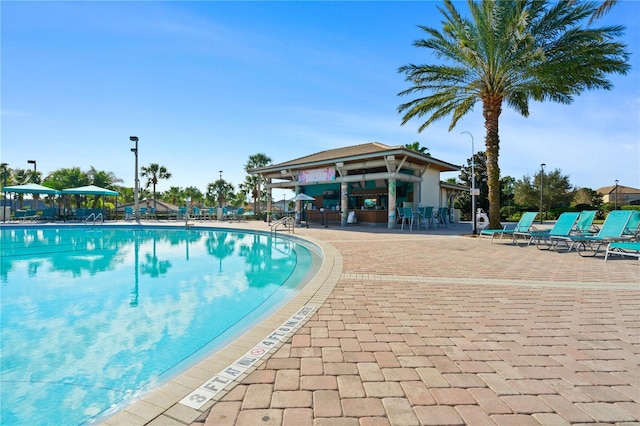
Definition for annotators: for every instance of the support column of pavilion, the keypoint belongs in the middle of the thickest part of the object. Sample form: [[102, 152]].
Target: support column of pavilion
[[344, 203], [391, 214]]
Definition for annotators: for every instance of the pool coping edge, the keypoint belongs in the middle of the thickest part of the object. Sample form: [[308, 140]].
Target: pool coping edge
[[163, 404]]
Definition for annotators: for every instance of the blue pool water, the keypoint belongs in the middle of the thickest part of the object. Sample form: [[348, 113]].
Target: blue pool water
[[94, 317]]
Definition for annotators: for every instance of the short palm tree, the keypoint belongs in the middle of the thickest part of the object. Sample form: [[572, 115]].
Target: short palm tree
[[154, 173], [21, 177], [220, 191], [509, 52], [69, 178], [35, 177], [103, 179], [173, 195], [415, 146]]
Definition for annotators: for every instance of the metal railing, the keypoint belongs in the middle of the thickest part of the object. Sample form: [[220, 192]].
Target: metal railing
[[94, 218], [287, 223]]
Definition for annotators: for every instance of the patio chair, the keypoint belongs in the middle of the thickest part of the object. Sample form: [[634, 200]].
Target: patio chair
[[182, 213], [151, 213], [443, 216], [197, 214], [524, 225], [128, 213], [408, 216], [399, 215], [426, 216], [562, 228], [210, 213], [612, 230], [623, 248]]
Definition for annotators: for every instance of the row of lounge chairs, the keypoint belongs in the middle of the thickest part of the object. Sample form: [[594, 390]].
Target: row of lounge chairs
[[52, 214], [210, 213], [618, 235]]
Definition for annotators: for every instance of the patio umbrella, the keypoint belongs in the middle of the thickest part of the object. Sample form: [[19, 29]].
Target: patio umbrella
[[91, 190], [30, 188], [302, 197]]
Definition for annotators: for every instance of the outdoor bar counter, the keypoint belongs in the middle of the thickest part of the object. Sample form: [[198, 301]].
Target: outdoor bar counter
[[332, 217]]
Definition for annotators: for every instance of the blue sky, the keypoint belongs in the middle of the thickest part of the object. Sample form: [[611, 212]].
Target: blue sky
[[204, 85]]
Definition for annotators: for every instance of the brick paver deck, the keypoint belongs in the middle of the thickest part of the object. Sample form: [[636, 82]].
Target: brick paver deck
[[429, 328]]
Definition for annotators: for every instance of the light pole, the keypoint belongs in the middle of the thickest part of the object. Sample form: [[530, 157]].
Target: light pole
[[4, 192], [35, 167], [136, 183], [616, 195], [220, 190], [473, 183], [34, 179], [541, 188]]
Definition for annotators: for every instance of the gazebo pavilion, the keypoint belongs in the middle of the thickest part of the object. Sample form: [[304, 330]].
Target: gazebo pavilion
[[371, 179]]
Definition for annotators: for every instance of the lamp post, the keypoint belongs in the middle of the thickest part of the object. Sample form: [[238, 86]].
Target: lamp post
[[136, 183], [220, 190], [4, 192], [616, 195], [35, 167], [541, 188], [34, 179], [473, 183]]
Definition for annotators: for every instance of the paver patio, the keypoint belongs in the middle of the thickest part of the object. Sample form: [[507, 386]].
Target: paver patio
[[435, 328]]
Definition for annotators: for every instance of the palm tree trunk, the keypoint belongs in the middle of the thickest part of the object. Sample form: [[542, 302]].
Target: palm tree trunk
[[491, 109], [257, 206], [155, 206]]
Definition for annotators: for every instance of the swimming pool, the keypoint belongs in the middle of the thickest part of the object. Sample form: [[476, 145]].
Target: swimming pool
[[93, 317]]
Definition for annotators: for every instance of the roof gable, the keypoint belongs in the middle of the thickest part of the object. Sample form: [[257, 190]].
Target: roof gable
[[332, 154]]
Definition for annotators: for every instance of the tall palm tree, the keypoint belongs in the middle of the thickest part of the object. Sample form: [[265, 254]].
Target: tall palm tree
[[154, 172], [255, 181], [509, 52], [602, 10]]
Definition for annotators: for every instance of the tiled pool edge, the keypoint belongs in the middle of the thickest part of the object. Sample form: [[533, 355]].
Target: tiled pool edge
[[163, 406]]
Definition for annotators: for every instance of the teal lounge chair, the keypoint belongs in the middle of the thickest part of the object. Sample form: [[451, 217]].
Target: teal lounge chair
[[633, 226], [612, 230], [524, 225], [562, 228], [585, 223], [623, 248], [48, 214]]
